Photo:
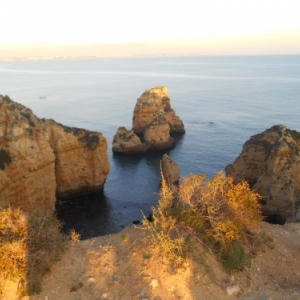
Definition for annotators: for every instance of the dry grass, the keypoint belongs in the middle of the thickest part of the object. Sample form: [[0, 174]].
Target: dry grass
[[166, 237], [28, 247]]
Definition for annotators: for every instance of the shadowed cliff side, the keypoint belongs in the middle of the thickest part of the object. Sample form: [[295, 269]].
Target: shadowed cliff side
[[41, 159], [270, 163]]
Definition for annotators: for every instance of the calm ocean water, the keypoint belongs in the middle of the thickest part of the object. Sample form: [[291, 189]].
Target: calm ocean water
[[221, 100]]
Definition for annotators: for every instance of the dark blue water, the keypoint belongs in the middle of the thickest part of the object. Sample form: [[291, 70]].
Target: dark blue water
[[222, 101]]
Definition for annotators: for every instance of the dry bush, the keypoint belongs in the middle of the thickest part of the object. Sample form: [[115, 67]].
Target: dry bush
[[28, 247], [229, 211], [222, 214], [166, 237]]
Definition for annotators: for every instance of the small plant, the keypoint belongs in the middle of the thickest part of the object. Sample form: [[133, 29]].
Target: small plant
[[90, 139], [74, 236], [235, 258], [28, 247], [124, 237], [146, 256]]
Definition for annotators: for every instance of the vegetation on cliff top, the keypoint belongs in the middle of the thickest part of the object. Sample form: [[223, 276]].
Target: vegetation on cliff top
[[90, 139], [220, 214], [28, 247]]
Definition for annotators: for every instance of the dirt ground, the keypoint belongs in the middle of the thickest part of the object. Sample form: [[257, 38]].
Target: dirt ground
[[126, 266]]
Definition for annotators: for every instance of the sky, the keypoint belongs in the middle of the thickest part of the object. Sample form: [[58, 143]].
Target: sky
[[45, 28]]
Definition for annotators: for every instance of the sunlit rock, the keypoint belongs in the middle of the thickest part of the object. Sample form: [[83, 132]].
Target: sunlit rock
[[151, 101], [270, 162], [127, 142], [170, 170], [41, 159], [153, 123]]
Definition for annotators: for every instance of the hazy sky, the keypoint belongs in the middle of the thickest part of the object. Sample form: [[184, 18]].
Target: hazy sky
[[129, 27]]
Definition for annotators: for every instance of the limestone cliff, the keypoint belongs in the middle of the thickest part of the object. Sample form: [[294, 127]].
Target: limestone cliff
[[150, 102], [270, 162], [41, 159]]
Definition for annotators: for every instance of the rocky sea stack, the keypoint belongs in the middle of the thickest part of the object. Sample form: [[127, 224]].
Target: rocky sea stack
[[153, 123], [41, 160], [270, 163]]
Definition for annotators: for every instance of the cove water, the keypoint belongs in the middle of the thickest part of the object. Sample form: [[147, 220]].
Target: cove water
[[221, 100]]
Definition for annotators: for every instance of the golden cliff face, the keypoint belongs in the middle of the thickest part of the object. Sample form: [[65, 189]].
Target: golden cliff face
[[41, 159], [154, 121], [270, 162], [151, 101], [81, 160]]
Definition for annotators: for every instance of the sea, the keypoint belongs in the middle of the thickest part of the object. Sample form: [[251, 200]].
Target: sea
[[222, 100]]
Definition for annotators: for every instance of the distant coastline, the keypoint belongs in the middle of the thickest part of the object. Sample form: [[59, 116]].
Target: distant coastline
[[12, 59]]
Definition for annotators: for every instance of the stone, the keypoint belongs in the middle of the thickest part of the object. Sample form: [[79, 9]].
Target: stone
[[157, 133], [154, 283], [41, 159], [170, 170], [153, 122], [232, 289], [127, 142], [270, 163], [151, 101]]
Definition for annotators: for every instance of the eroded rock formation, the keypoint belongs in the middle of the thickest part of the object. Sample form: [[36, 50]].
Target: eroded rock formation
[[154, 120], [126, 141], [170, 170], [151, 101], [157, 133], [270, 162], [41, 159]]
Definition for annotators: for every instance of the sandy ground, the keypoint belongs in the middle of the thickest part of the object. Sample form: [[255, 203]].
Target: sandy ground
[[126, 266]]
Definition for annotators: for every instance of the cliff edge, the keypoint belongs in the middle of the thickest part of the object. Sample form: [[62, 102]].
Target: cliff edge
[[270, 163], [41, 159]]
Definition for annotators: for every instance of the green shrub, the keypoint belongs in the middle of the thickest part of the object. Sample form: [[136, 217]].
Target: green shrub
[[235, 258], [190, 217]]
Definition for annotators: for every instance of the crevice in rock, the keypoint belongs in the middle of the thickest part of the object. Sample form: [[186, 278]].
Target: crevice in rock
[[275, 219]]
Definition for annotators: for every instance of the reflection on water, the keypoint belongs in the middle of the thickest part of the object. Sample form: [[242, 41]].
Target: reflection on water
[[89, 215], [130, 189], [221, 104]]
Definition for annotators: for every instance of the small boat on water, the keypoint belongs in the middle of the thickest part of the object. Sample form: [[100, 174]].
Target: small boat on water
[[43, 97]]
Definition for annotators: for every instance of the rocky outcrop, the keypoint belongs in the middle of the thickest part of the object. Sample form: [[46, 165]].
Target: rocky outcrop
[[151, 101], [154, 121], [126, 141], [270, 163], [41, 159], [170, 170], [157, 133]]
